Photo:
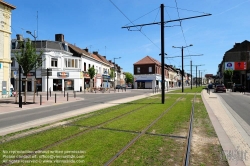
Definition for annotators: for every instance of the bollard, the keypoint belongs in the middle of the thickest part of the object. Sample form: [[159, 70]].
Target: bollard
[[50, 93], [75, 94], [55, 97], [40, 99], [122, 89], [155, 89], [20, 102], [37, 93], [118, 90], [64, 93], [67, 96]]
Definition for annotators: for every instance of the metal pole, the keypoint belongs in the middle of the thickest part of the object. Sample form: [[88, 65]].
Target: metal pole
[[47, 84], [162, 56], [55, 97], [67, 96], [199, 78], [191, 74], [182, 71], [20, 79], [196, 77], [114, 75], [35, 63], [40, 99]]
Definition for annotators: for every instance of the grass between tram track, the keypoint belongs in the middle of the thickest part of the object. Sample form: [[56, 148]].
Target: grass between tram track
[[97, 146]]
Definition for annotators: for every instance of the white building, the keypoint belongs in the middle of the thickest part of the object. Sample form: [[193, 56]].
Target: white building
[[67, 64], [5, 38]]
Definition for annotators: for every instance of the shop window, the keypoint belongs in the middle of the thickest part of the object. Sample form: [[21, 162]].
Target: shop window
[[54, 62]]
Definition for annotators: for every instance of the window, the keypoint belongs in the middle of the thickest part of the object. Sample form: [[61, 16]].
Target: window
[[84, 66], [13, 62], [89, 65], [150, 69], [65, 46], [54, 62], [138, 69]]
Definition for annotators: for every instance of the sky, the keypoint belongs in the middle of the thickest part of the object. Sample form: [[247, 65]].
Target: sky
[[97, 25]]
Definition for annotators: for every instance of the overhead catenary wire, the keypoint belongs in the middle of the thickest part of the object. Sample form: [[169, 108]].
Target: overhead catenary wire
[[181, 25], [134, 24]]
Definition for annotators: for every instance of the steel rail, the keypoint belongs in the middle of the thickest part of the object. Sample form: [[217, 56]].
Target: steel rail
[[189, 137], [75, 135], [110, 161]]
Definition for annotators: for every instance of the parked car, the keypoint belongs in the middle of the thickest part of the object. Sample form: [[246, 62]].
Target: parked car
[[220, 88], [118, 87], [237, 87]]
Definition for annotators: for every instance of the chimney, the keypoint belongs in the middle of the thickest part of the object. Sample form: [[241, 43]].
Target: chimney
[[86, 49], [104, 57], [95, 52], [19, 37], [59, 37], [110, 61]]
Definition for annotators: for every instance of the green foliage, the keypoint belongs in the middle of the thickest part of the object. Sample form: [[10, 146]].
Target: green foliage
[[27, 57], [112, 73], [129, 77], [91, 72], [229, 73]]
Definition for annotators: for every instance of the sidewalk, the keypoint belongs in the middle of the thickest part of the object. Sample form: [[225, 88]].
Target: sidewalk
[[234, 139], [9, 105]]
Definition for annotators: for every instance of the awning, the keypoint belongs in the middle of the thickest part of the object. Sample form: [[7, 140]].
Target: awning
[[143, 80]]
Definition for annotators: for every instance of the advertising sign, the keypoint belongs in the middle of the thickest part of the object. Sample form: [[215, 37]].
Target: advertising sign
[[240, 66], [4, 89], [229, 65], [235, 65]]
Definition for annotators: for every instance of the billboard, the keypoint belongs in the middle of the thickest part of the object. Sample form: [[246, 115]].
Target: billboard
[[235, 65], [229, 65]]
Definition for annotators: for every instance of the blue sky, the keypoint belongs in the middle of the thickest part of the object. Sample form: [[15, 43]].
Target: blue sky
[[96, 24]]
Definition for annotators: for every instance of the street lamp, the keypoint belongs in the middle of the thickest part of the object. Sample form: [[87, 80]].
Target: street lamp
[[114, 70], [35, 50], [182, 63]]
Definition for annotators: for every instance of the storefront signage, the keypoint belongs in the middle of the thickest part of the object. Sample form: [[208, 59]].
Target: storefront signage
[[235, 65], [63, 74]]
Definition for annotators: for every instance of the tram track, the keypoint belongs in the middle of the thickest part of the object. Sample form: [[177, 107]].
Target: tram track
[[91, 128]]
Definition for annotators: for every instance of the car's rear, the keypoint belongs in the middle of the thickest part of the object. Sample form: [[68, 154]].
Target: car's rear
[[220, 88]]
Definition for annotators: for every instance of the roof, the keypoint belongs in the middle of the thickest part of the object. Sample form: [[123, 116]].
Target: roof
[[7, 4], [147, 60], [243, 46]]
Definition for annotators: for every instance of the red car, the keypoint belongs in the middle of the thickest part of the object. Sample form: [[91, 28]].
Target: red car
[[220, 88]]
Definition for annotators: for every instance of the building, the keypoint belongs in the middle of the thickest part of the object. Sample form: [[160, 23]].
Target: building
[[147, 74], [237, 59], [67, 64], [5, 39]]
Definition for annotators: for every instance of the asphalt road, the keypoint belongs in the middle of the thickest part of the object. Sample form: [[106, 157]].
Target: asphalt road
[[19, 117], [239, 103]]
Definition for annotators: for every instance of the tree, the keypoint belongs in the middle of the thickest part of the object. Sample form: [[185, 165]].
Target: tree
[[129, 77], [229, 73], [91, 72], [28, 59]]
